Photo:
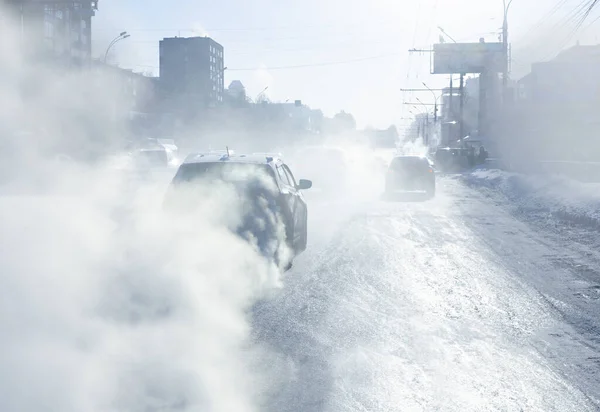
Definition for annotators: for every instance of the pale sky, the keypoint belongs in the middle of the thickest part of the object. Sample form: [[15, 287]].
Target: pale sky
[[348, 54]]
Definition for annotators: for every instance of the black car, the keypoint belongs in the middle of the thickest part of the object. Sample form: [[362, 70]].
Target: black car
[[410, 173], [272, 196]]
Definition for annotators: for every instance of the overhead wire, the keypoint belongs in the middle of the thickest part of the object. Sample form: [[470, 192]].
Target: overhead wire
[[322, 46], [300, 66], [576, 17], [551, 13], [592, 5], [571, 21], [410, 55]]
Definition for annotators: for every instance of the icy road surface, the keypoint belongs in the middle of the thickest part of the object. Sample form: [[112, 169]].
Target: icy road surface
[[461, 303], [452, 304]]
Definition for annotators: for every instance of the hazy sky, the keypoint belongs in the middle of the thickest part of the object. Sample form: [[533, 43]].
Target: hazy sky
[[336, 54]]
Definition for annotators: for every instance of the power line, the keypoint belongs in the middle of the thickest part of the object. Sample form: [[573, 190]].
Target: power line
[[239, 50], [242, 29], [571, 21], [576, 16], [301, 66], [559, 4], [590, 5]]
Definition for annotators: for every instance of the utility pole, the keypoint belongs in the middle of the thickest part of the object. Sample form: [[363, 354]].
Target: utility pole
[[435, 98], [450, 132], [484, 81], [450, 109], [426, 139], [462, 104], [505, 50]]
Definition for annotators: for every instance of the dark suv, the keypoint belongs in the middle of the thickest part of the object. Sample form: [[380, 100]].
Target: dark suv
[[410, 173], [270, 192]]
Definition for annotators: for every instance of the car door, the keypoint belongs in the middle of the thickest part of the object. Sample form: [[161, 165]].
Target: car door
[[290, 194], [300, 212], [289, 199]]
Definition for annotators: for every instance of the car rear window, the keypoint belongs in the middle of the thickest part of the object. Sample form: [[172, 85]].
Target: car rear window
[[224, 171], [409, 164]]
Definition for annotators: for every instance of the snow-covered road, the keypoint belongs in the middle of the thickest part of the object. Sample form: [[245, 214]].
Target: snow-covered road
[[451, 304], [466, 302]]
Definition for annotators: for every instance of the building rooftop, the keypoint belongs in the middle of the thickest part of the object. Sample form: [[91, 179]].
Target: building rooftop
[[191, 39]]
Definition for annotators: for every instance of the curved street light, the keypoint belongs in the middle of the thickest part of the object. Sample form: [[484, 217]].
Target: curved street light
[[122, 36], [260, 94], [426, 125], [505, 45], [435, 110]]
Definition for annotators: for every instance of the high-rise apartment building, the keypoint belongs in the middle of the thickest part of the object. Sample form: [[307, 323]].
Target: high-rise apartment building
[[192, 69], [60, 30]]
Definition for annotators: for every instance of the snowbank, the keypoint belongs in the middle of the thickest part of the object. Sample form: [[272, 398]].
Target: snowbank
[[550, 196]]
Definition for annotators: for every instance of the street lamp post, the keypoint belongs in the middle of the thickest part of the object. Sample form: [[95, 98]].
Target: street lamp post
[[122, 36], [505, 46], [260, 94], [435, 109], [426, 127]]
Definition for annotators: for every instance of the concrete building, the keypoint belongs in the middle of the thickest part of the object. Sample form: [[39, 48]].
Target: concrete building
[[555, 115], [569, 81], [56, 30], [191, 71]]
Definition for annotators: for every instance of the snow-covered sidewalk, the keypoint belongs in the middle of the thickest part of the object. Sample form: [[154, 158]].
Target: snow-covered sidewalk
[[551, 195]]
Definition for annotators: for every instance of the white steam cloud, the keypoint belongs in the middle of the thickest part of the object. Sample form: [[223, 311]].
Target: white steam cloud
[[107, 303]]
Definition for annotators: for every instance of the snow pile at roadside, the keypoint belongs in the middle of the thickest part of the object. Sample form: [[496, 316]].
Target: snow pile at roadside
[[550, 196]]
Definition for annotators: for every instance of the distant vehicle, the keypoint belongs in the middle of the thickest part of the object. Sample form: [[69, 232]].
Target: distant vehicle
[[410, 173], [151, 158], [272, 195]]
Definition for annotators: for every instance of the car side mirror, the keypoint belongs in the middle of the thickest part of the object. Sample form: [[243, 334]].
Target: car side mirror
[[304, 184]]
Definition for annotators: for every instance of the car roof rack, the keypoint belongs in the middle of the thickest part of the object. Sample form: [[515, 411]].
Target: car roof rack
[[209, 153], [267, 154]]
